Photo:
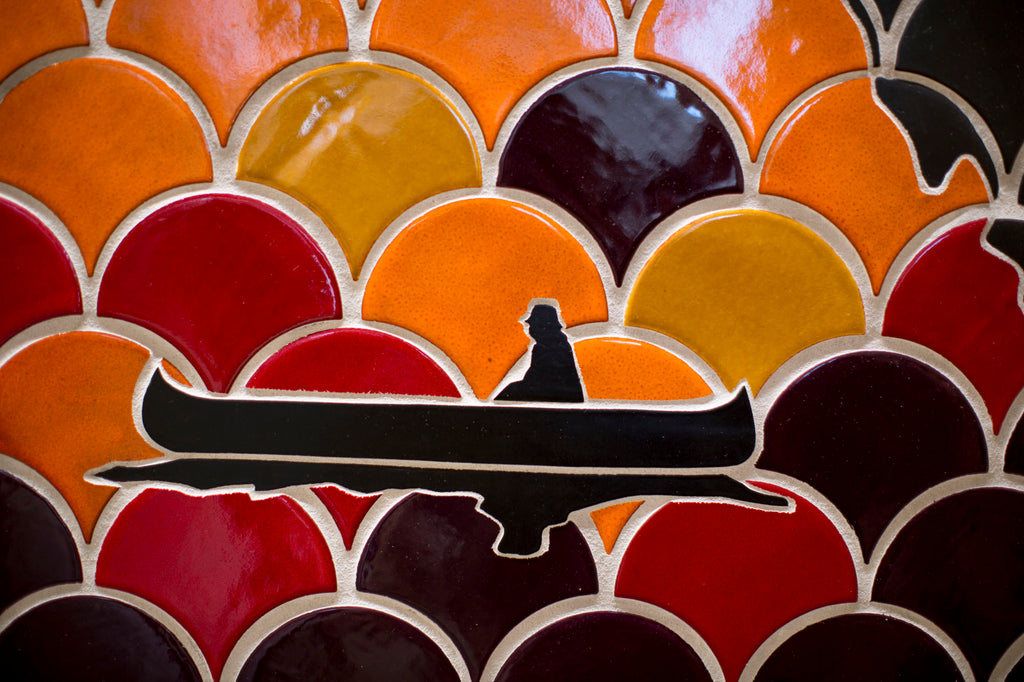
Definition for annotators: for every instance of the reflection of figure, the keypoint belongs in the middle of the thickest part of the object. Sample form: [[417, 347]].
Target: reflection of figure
[[552, 376]]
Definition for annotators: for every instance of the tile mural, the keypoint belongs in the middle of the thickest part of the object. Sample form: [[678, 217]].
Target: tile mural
[[496, 340]]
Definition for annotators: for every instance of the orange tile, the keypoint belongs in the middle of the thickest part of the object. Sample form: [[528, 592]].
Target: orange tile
[[493, 51], [464, 274], [66, 408], [612, 519], [626, 369], [627, 7], [757, 56], [31, 29], [92, 139], [843, 156], [746, 290], [225, 49], [359, 144]]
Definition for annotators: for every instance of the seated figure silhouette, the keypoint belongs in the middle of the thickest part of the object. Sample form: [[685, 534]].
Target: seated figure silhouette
[[552, 376]]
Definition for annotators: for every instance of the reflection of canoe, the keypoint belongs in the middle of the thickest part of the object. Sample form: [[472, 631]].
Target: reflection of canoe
[[576, 436]]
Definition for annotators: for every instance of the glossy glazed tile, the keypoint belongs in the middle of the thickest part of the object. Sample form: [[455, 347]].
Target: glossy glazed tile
[[359, 144], [962, 301], [37, 281], [93, 138], [36, 549], [32, 29], [757, 56], [219, 276], [215, 563], [974, 50], [887, 8], [225, 49], [464, 274], [844, 157], [493, 51], [604, 647], [610, 521], [967, 581], [871, 431], [859, 647], [757, 570], [353, 361], [941, 134], [627, 7], [93, 638], [746, 290], [351, 644], [552, 375], [66, 408], [434, 554], [626, 369], [346, 509], [621, 149]]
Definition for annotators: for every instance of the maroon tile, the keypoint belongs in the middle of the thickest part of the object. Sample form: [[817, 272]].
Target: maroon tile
[[871, 431], [434, 553], [353, 361], [219, 276], [858, 647], [37, 281], [350, 644], [36, 548], [604, 646], [92, 638], [215, 563], [621, 149], [962, 301], [737, 573], [960, 563]]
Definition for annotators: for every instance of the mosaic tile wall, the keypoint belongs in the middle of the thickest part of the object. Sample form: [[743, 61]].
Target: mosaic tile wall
[[284, 392]]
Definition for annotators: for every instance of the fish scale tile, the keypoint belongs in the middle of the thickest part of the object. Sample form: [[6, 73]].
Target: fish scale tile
[[408, 205]]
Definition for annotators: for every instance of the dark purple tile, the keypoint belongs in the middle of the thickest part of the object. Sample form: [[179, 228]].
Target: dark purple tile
[[350, 644], [1014, 462], [888, 10], [857, 647], [942, 134], [92, 638], [621, 149], [434, 553], [860, 10], [975, 49], [960, 563], [871, 431], [598, 647], [1017, 674], [36, 549]]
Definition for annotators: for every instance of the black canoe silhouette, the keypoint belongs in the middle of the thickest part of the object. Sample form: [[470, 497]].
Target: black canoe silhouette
[[556, 459]]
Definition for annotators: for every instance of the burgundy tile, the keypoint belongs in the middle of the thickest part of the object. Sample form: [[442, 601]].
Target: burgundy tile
[[346, 509], [215, 563], [434, 553], [975, 50], [1014, 462], [219, 276], [737, 573], [871, 431], [92, 638], [37, 281], [36, 548], [621, 149], [962, 301], [960, 563], [604, 646], [350, 644], [353, 361], [857, 647]]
